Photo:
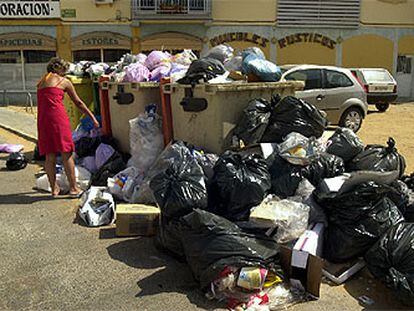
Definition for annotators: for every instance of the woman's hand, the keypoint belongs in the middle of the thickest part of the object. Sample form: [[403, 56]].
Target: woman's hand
[[95, 123]]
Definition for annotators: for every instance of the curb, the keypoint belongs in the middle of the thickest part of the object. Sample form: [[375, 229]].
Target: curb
[[19, 133]]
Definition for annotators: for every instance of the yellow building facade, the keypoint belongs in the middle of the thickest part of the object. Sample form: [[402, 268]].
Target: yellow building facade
[[381, 33]]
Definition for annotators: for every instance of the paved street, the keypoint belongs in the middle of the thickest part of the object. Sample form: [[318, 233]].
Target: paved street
[[50, 262]]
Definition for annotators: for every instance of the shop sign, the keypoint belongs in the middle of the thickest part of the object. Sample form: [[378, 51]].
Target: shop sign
[[29, 9], [25, 40], [239, 36], [101, 39], [307, 38], [69, 13]]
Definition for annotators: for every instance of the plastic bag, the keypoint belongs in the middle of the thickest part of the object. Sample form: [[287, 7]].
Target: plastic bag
[[184, 58], [180, 187], [83, 177], [114, 165], [234, 64], [240, 182], [298, 149], [253, 51], [325, 166], [290, 218], [10, 148], [379, 158], [254, 121], [160, 72], [222, 52], [202, 70], [146, 140], [89, 163], [344, 143], [357, 219], [156, 59], [285, 177], [122, 184], [212, 243], [291, 114], [103, 153], [265, 70], [177, 72], [136, 72], [16, 161], [97, 207], [391, 260]]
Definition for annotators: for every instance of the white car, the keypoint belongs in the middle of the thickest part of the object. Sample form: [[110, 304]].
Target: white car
[[331, 89]]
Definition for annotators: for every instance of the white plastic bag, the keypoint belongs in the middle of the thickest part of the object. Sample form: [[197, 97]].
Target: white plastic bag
[[97, 207], [298, 149], [290, 218], [146, 140], [122, 185], [83, 177]]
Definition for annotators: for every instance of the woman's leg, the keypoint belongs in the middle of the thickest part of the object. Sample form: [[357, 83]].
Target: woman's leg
[[69, 165], [50, 167]]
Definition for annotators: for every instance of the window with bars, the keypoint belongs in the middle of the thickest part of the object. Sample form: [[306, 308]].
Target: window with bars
[[318, 13]]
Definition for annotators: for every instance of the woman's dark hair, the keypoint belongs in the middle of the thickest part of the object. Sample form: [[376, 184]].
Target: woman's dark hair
[[57, 65]]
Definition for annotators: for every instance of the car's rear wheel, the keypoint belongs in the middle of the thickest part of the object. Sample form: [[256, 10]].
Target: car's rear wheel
[[352, 118], [382, 107]]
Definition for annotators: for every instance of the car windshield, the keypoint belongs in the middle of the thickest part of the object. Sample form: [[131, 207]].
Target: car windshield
[[377, 76]]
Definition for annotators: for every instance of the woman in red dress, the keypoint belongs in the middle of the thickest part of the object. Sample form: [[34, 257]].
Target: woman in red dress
[[53, 125]]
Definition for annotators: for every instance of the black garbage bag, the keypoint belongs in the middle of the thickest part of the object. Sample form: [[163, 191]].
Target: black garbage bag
[[212, 243], [379, 158], [16, 161], [391, 260], [345, 144], [291, 114], [114, 165], [203, 69], [240, 182], [254, 121], [169, 236], [180, 187], [285, 177], [86, 146], [409, 180], [325, 166], [36, 154], [357, 219]]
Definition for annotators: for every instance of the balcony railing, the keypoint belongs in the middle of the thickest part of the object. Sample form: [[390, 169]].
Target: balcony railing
[[171, 9]]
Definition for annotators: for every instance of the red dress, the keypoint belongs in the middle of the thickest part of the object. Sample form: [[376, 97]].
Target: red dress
[[53, 124]]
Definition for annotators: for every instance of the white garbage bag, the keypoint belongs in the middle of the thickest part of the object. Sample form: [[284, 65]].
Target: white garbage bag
[[97, 207], [122, 185]]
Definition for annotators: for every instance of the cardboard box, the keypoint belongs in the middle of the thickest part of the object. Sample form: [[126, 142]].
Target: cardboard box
[[136, 219], [302, 264]]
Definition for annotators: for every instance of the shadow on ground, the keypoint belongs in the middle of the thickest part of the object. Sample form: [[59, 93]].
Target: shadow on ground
[[24, 198], [171, 275]]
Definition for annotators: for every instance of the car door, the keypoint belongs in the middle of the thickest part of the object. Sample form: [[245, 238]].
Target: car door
[[338, 89], [312, 92]]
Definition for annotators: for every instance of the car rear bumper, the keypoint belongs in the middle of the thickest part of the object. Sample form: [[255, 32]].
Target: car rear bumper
[[381, 98]]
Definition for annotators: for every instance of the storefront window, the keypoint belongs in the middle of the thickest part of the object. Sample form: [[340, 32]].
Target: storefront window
[[11, 70], [91, 55], [112, 56], [35, 63]]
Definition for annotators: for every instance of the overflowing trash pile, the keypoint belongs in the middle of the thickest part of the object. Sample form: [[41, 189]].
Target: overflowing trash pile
[[218, 65], [253, 221]]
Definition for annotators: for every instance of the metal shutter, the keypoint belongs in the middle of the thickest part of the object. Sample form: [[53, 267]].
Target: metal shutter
[[318, 13]]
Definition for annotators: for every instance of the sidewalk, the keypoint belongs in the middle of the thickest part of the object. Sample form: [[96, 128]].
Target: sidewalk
[[21, 123]]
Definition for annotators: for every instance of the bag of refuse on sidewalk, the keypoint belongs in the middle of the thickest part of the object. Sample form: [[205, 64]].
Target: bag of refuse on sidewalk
[[265, 70], [212, 243], [344, 143], [114, 165], [122, 185], [180, 187], [291, 114], [207, 161], [254, 121], [240, 182], [97, 207], [146, 139], [222, 52], [10, 148], [285, 177], [391, 260], [379, 158], [289, 217], [103, 153], [16, 161], [83, 177], [324, 166], [357, 219], [203, 70]]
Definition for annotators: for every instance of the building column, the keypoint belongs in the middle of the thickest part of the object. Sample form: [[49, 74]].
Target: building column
[[273, 50], [63, 42], [395, 52], [136, 40]]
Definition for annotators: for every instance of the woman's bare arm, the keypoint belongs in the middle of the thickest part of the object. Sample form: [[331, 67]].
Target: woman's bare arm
[[70, 89]]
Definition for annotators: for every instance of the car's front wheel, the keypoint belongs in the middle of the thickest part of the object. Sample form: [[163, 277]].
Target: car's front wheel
[[382, 107], [352, 119]]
